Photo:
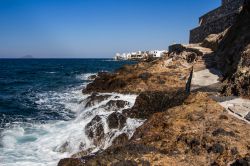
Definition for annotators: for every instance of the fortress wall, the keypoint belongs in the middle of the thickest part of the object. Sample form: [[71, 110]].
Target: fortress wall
[[226, 1], [217, 20], [228, 8], [197, 35]]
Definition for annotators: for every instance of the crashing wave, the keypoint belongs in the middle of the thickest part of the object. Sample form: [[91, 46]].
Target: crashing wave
[[96, 124]]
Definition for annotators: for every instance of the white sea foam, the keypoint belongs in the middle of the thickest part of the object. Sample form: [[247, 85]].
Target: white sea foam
[[51, 72], [40, 144], [85, 77]]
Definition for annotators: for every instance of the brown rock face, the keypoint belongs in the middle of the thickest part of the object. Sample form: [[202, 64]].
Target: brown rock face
[[141, 77], [213, 40], [116, 121], [70, 162], [95, 98], [92, 77], [105, 82], [148, 103], [233, 56], [193, 132], [115, 105], [120, 140], [95, 131], [180, 130]]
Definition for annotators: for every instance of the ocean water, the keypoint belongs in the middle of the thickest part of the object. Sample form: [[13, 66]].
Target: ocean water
[[42, 108]]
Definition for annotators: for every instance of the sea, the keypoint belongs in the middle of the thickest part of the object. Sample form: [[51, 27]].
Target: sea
[[42, 108]]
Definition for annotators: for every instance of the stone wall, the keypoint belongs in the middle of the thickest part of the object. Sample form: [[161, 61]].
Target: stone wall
[[226, 9], [197, 35], [217, 20], [226, 1]]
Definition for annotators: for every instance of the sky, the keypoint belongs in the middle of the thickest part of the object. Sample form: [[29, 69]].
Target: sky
[[95, 28]]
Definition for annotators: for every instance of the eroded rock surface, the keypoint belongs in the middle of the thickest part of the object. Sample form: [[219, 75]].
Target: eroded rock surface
[[95, 130], [120, 140], [141, 77], [181, 129], [233, 57], [116, 120], [148, 103], [213, 40], [115, 105], [198, 131], [95, 98]]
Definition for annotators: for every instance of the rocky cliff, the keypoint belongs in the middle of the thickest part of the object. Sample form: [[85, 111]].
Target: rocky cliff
[[233, 56], [180, 128], [198, 131], [144, 76]]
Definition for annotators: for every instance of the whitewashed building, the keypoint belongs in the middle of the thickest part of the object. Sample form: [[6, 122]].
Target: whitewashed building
[[140, 55]]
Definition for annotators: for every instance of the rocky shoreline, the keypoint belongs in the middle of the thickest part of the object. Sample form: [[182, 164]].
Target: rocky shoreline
[[185, 122]]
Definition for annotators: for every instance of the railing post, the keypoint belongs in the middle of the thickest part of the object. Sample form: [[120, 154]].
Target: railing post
[[189, 81]]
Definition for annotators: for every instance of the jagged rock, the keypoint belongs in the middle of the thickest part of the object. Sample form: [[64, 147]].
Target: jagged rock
[[179, 48], [82, 153], [92, 77], [183, 130], [233, 57], [213, 40], [70, 162], [148, 103], [216, 148], [64, 148], [120, 140], [116, 120], [189, 53], [170, 138], [115, 105], [95, 98], [242, 162], [141, 77], [221, 131], [104, 81], [95, 130]]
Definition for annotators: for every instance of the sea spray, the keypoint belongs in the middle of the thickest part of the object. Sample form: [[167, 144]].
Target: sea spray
[[29, 143]]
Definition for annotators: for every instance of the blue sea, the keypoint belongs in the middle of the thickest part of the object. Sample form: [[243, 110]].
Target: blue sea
[[41, 107]]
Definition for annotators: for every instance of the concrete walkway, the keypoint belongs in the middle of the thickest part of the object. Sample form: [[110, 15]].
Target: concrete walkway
[[206, 79], [238, 107]]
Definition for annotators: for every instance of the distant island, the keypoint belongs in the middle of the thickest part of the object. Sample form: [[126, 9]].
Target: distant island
[[27, 57]]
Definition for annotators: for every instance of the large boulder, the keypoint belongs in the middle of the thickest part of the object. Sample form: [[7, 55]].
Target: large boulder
[[95, 130], [148, 103], [189, 53], [116, 120], [212, 41], [95, 98], [115, 105], [92, 77], [105, 82]]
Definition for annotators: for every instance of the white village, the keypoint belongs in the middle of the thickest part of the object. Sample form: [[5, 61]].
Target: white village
[[140, 55]]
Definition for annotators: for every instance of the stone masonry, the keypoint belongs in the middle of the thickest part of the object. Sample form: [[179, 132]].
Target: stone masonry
[[217, 20]]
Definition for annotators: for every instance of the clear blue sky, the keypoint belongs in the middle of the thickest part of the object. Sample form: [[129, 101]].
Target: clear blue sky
[[95, 28]]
